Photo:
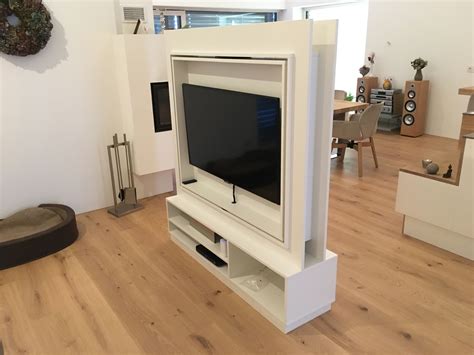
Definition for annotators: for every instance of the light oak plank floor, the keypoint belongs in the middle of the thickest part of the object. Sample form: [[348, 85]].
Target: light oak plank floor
[[124, 287]]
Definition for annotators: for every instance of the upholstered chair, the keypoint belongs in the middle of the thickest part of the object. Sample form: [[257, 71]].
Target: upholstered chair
[[357, 133]]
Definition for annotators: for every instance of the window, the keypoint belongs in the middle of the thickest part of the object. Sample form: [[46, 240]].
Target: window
[[172, 20], [168, 20], [352, 33], [196, 19]]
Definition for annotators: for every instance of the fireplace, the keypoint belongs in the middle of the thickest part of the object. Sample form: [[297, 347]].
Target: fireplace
[[161, 106]]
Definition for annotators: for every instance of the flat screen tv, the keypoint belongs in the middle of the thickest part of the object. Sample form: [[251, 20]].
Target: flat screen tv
[[235, 136]]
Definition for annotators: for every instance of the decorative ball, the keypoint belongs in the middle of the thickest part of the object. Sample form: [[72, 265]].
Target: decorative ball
[[387, 84], [432, 168], [28, 32], [426, 162]]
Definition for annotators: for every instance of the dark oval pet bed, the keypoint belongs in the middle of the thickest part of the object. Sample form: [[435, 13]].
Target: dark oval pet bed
[[36, 232]]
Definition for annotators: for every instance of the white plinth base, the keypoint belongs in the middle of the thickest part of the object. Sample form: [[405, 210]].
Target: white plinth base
[[316, 313]]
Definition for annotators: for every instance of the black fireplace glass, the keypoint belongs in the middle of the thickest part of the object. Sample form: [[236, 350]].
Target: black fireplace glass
[[160, 99]]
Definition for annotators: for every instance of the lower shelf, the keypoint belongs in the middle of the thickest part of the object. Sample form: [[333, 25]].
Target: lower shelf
[[189, 245], [271, 297], [269, 301], [181, 223]]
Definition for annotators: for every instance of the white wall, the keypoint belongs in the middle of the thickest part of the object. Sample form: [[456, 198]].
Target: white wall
[[58, 111], [141, 60], [439, 31]]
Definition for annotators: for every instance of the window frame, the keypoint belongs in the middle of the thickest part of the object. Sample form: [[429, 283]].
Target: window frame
[[183, 14]]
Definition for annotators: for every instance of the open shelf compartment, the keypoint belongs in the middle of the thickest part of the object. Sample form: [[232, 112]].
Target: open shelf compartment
[[182, 222], [189, 245], [259, 283]]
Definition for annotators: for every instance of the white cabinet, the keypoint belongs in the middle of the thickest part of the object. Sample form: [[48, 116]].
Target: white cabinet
[[287, 297], [428, 202]]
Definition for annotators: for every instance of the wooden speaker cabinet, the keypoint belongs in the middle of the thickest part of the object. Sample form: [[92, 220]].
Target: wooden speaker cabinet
[[365, 86], [414, 108]]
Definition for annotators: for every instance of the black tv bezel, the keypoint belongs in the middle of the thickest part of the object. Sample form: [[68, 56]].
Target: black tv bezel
[[159, 127], [280, 145]]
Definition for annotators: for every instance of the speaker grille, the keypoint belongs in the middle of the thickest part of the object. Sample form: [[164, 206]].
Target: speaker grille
[[408, 120], [410, 106]]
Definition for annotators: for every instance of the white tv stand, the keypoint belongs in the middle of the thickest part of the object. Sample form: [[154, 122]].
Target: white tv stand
[[284, 245], [291, 297]]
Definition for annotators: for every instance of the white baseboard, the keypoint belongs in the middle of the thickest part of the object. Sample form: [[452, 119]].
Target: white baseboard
[[454, 242]]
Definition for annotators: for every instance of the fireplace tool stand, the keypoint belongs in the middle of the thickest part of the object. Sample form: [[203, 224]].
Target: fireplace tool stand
[[126, 194]]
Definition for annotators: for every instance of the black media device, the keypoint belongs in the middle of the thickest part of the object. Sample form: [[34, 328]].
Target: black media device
[[209, 255], [160, 99], [235, 136], [191, 181]]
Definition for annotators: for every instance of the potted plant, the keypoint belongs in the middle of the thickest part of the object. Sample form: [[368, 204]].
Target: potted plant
[[349, 97], [419, 64]]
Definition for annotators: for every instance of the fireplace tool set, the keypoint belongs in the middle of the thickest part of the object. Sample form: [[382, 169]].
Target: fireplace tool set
[[125, 199]]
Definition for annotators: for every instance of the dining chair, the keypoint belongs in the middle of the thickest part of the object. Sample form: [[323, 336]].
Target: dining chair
[[340, 94], [357, 133]]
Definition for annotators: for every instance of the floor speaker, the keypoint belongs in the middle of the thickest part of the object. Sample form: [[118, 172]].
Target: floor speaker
[[414, 108], [365, 86]]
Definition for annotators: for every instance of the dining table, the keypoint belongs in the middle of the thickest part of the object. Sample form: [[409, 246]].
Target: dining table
[[343, 106]]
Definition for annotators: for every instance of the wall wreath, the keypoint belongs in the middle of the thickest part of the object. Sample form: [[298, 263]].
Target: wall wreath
[[25, 27]]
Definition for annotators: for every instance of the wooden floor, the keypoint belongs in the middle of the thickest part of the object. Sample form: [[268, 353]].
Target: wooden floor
[[124, 287]]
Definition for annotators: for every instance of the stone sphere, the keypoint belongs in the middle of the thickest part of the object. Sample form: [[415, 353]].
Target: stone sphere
[[432, 168]]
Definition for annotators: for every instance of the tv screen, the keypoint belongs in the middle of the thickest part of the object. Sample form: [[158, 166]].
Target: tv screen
[[160, 99], [235, 136]]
